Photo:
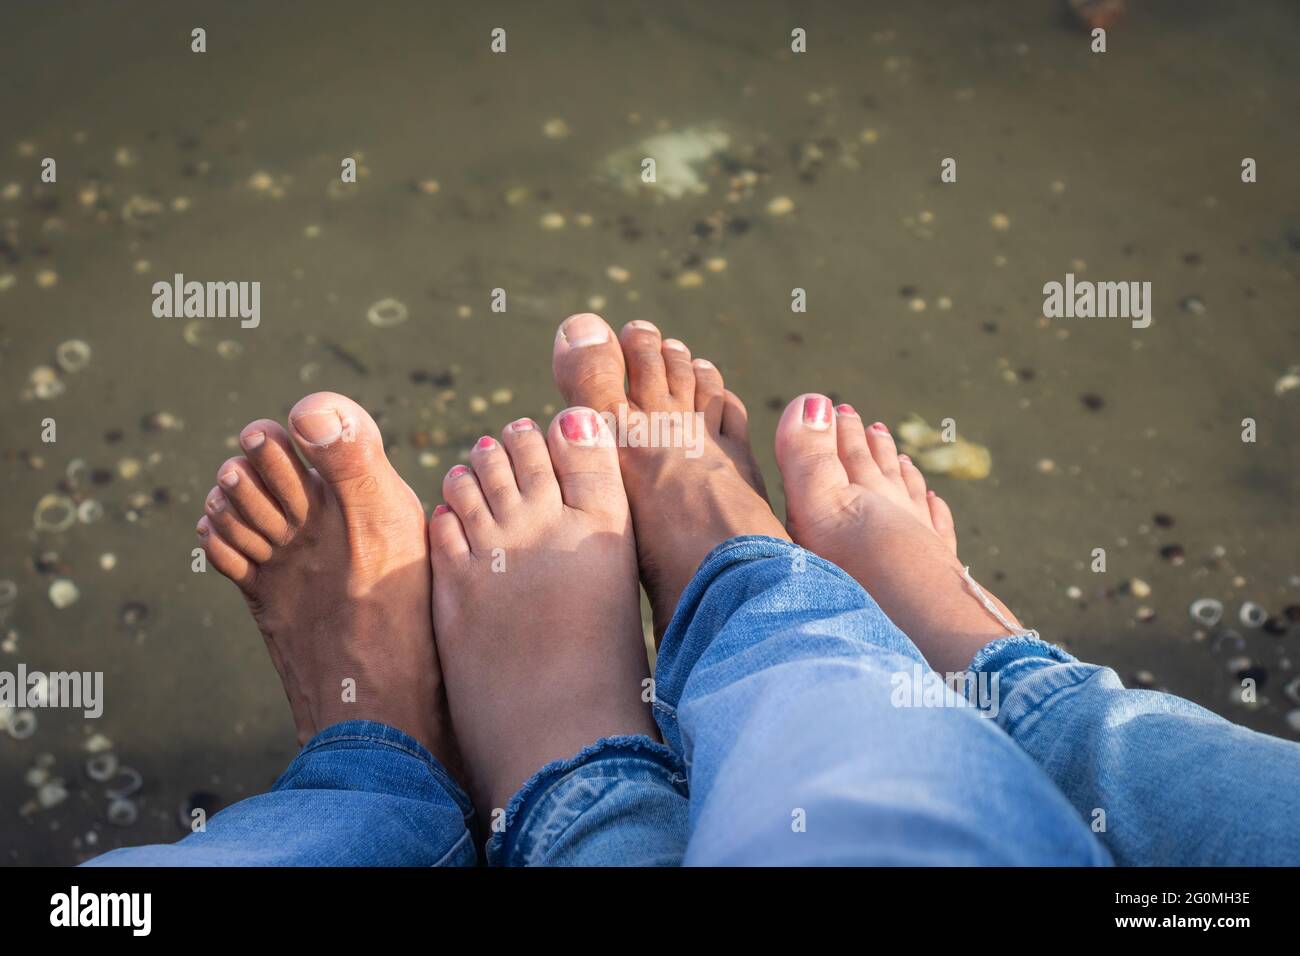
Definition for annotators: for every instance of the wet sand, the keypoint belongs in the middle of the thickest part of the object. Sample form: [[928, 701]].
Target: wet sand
[[1122, 166]]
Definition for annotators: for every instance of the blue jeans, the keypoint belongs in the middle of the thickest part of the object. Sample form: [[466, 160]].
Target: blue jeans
[[777, 693]]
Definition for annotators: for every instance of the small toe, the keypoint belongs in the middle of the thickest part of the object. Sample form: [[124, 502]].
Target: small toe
[[709, 394], [256, 505], [851, 439], [883, 450], [225, 558], [228, 522], [913, 480], [679, 371], [526, 445], [447, 538], [941, 518], [461, 490], [270, 451], [495, 475], [647, 378], [735, 417]]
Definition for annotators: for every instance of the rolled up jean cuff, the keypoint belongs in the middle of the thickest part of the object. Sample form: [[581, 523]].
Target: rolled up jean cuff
[[553, 800], [371, 735], [1028, 665]]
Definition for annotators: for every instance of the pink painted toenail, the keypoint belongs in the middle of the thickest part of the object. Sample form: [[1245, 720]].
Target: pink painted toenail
[[484, 443], [457, 471], [217, 503], [580, 331], [322, 427], [817, 412], [440, 510], [904, 458], [580, 426], [229, 479], [523, 425], [844, 410], [929, 492], [202, 529], [253, 440], [880, 427]]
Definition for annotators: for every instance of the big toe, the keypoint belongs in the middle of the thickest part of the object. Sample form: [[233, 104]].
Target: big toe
[[343, 443], [806, 452], [587, 363]]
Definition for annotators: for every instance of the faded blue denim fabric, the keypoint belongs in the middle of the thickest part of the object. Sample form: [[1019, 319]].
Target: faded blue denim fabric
[[1178, 785]]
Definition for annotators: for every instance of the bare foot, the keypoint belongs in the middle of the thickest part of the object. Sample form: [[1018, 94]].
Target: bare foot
[[334, 565], [696, 489], [535, 602], [855, 501]]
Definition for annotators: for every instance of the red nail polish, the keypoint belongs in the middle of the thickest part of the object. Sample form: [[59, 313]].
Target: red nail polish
[[817, 411], [880, 427], [458, 471], [580, 426], [904, 458], [440, 509], [523, 425], [929, 492], [484, 443], [845, 410]]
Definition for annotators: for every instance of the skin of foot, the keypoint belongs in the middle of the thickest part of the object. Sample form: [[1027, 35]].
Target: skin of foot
[[855, 501], [333, 560], [536, 604], [690, 492]]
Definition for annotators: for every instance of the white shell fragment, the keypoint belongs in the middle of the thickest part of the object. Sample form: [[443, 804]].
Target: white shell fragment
[[72, 355], [1252, 615], [386, 313], [63, 593], [54, 513], [1206, 611]]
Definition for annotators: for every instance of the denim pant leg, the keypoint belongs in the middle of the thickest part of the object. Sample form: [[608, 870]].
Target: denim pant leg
[[776, 685], [1171, 783], [619, 802], [358, 794]]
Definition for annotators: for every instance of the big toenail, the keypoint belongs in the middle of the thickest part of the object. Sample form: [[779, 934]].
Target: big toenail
[[845, 410], [217, 503], [228, 479], [252, 440], [440, 510], [675, 345], [523, 425], [484, 443], [583, 330], [458, 471], [580, 426], [320, 428], [817, 412]]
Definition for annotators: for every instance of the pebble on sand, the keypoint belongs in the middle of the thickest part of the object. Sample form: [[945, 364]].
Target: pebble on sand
[[1000, 221], [552, 221], [63, 593], [555, 129], [47, 278], [780, 206]]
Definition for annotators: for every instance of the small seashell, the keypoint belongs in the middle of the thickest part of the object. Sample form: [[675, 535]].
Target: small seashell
[[63, 593], [1139, 588], [89, 511], [386, 313], [51, 794], [1252, 615], [36, 776], [97, 743], [131, 783], [502, 396], [551, 221], [555, 129], [122, 812], [1206, 611], [54, 513], [478, 405], [45, 382], [780, 206], [22, 724], [102, 767], [1000, 221], [229, 349], [72, 355]]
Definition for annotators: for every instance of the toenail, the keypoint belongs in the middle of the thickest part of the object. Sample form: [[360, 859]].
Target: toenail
[[320, 428], [702, 363], [643, 325], [904, 458], [929, 492], [880, 427], [217, 503], [457, 471], [845, 410], [440, 510], [580, 426], [485, 443], [523, 425], [252, 440], [201, 529], [583, 330], [675, 345], [228, 479], [817, 412]]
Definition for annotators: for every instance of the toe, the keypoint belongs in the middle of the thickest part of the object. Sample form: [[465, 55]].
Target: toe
[[526, 446], [883, 450], [735, 417], [647, 379], [225, 558], [585, 457], [679, 371], [460, 489], [913, 480], [495, 476], [587, 363], [270, 451], [708, 394], [851, 439], [446, 536], [941, 518], [340, 439], [806, 452], [226, 520], [245, 491]]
